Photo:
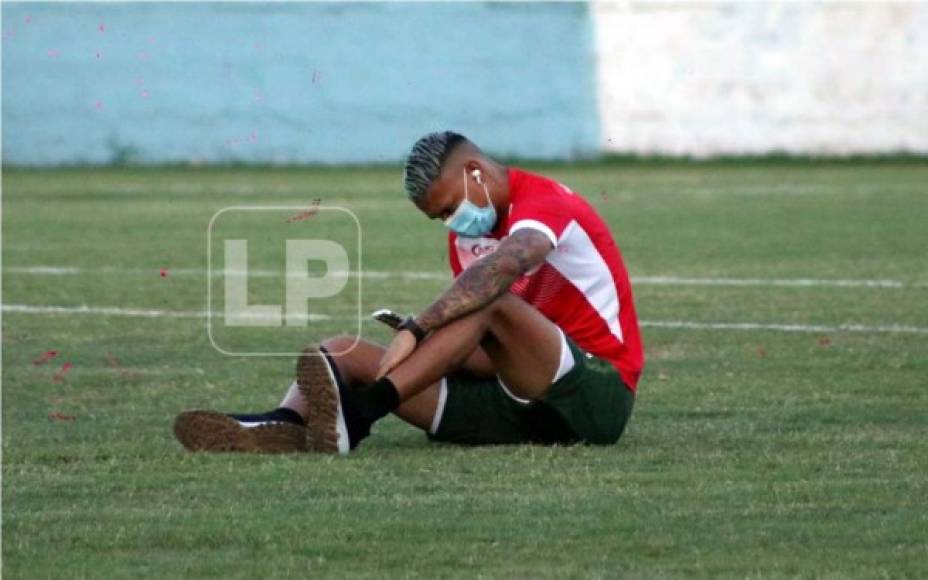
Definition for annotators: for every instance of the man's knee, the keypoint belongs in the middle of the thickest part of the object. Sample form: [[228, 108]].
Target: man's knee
[[504, 308], [357, 360], [339, 345]]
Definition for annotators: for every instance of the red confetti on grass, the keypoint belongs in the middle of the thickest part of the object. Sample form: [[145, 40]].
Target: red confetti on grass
[[59, 376], [115, 365], [163, 272], [761, 352], [45, 357], [306, 214], [56, 416], [824, 341]]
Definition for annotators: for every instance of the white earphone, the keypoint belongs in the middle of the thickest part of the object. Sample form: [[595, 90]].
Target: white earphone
[[478, 176]]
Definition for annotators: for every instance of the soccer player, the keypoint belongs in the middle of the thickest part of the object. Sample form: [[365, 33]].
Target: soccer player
[[535, 341]]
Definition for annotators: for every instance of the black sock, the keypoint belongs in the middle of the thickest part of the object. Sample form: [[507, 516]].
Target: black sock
[[281, 414], [378, 399]]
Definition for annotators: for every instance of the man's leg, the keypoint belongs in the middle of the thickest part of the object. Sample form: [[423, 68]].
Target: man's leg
[[523, 345], [358, 367]]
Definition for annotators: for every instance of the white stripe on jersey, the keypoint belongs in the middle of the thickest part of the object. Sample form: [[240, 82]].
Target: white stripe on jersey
[[577, 259]]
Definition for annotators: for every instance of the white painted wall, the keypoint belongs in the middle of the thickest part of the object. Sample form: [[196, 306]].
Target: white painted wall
[[704, 78]]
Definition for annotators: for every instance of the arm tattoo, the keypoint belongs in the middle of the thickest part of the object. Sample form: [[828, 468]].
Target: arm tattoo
[[487, 278]]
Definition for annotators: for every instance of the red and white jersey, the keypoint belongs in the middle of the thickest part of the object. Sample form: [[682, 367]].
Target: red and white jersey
[[582, 286]]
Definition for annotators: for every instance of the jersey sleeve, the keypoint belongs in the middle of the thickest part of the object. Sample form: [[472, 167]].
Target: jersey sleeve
[[546, 211], [453, 258]]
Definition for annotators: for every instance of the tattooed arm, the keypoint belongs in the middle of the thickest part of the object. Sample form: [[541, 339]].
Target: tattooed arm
[[487, 278]]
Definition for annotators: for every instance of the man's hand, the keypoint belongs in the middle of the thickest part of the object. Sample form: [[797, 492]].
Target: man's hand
[[402, 345]]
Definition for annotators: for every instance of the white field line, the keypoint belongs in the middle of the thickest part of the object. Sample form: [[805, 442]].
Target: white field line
[[766, 282], [155, 272], [670, 324], [425, 275], [136, 312], [818, 328]]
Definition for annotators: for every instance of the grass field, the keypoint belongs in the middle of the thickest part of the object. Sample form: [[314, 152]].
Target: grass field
[[754, 451]]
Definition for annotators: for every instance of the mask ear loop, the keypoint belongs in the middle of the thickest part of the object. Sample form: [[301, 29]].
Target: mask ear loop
[[466, 196], [487, 191]]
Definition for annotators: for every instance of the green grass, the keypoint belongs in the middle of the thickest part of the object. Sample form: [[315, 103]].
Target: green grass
[[750, 453]]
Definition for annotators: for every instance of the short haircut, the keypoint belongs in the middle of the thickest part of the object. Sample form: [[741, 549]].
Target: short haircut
[[424, 162]]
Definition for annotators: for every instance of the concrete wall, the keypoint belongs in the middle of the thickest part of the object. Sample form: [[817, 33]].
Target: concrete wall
[[359, 82], [297, 82], [707, 78]]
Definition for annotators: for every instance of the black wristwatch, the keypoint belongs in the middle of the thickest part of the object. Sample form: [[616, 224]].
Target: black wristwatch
[[416, 330]]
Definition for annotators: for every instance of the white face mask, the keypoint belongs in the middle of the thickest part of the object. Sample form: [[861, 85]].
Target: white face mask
[[469, 219]]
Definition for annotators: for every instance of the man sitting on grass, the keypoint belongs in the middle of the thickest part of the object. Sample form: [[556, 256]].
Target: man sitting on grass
[[535, 341]]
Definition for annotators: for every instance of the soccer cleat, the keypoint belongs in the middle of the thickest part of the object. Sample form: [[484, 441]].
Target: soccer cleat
[[329, 404], [218, 432]]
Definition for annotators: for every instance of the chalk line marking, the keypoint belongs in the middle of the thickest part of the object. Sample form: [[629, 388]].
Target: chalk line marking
[[135, 312], [668, 324], [766, 282], [436, 275], [816, 328]]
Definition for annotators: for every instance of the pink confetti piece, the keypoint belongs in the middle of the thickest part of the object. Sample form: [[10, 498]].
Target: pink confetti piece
[[115, 365], [27, 19], [306, 214], [54, 53], [98, 54], [144, 94], [45, 357], [143, 55], [98, 105], [251, 138], [112, 360], [163, 272], [59, 376], [102, 27], [139, 81], [58, 416], [152, 40]]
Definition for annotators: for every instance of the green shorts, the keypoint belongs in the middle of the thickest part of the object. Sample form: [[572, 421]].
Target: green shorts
[[589, 404]]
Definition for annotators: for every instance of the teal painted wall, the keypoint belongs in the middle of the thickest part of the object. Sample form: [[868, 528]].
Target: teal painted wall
[[284, 83]]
